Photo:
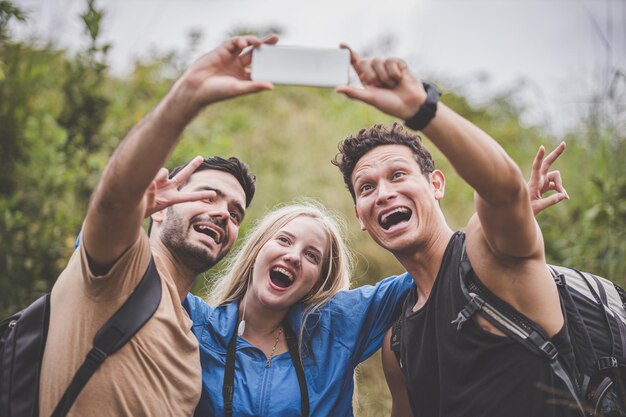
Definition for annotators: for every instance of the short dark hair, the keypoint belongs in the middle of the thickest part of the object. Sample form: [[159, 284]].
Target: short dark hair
[[233, 166], [352, 148]]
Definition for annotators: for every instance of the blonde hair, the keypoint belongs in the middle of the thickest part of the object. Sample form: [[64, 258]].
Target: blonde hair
[[336, 266]]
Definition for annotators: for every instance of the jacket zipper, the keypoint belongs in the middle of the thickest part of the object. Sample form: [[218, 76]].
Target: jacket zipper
[[266, 372]]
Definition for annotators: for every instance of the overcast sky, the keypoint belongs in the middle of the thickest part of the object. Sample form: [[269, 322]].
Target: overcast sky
[[563, 48]]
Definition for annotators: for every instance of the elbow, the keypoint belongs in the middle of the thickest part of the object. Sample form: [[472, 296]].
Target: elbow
[[509, 187]]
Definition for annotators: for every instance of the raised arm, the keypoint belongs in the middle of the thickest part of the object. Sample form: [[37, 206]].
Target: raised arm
[[502, 200], [504, 242], [120, 197]]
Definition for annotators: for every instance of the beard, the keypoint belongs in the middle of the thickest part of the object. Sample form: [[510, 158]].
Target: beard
[[196, 257]]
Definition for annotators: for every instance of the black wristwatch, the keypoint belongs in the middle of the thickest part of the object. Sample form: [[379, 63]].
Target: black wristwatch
[[426, 111]]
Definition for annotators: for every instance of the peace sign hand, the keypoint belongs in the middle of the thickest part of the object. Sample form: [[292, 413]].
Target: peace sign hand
[[164, 191]]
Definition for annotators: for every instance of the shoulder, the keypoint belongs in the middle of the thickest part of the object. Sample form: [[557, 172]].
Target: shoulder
[[119, 281], [395, 285], [213, 326], [198, 309]]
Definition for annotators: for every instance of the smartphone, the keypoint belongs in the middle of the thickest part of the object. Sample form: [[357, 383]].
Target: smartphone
[[321, 67]]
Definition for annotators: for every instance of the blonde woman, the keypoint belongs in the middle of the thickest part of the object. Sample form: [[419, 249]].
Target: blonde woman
[[286, 333]]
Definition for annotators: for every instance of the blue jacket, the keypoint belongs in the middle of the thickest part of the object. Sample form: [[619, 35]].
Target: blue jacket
[[345, 332]]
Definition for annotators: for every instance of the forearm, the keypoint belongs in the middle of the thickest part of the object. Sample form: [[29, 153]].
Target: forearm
[[119, 203], [477, 157], [141, 154], [119, 197]]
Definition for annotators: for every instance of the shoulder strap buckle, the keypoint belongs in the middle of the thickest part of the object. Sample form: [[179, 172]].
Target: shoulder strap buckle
[[550, 350], [559, 280], [95, 357], [607, 362], [475, 304]]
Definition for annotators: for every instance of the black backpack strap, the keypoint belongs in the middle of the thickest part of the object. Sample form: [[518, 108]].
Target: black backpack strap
[[294, 351], [118, 330], [396, 339], [512, 323], [228, 389], [396, 332]]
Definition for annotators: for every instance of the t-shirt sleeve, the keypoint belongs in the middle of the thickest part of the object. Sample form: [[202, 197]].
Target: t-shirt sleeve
[[122, 278], [362, 316]]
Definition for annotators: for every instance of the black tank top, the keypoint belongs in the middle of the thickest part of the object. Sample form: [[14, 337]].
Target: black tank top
[[471, 372]]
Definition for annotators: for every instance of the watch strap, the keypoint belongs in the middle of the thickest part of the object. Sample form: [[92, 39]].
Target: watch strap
[[426, 111]]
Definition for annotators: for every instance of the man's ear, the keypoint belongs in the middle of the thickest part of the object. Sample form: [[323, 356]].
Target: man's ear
[[438, 181], [356, 213]]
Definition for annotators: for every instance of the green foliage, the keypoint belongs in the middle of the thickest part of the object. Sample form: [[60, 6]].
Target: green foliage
[[61, 116], [51, 109], [9, 11], [589, 231], [85, 104]]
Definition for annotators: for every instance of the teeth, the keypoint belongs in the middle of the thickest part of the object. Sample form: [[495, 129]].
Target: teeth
[[385, 216], [209, 231], [284, 272]]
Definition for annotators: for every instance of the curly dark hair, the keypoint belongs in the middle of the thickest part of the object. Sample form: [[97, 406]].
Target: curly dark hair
[[352, 148]]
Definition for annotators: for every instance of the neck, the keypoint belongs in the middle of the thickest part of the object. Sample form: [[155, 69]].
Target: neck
[[259, 320], [182, 276], [424, 263]]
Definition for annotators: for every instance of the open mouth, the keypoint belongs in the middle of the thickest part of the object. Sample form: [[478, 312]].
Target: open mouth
[[281, 277], [209, 231], [394, 217]]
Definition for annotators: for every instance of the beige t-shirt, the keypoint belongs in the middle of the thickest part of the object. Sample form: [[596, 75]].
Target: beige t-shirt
[[157, 373]]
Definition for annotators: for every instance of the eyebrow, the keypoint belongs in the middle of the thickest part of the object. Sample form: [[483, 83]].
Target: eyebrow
[[389, 162], [237, 204], [291, 235]]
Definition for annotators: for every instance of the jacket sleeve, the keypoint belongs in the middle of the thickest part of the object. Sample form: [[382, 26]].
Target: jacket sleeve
[[360, 317], [198, 310]]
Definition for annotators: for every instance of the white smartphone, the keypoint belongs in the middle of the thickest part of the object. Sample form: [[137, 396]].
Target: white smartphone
[[322, 67]]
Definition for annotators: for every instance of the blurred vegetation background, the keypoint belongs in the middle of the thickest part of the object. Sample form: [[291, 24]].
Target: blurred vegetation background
[[62, 114]]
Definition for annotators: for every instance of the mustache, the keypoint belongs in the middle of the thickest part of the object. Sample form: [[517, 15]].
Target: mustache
[[219, 222]]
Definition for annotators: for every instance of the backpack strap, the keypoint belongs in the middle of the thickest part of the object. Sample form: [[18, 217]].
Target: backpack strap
[[396, 339], [118, 330], [603, 303], [621, 293], [513, 324], [228, 390], [294, 351]]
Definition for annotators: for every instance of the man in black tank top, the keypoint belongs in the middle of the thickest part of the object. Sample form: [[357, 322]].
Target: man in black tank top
[[475, 371]]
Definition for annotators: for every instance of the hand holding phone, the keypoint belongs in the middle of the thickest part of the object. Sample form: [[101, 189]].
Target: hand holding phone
[[322, 67]]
